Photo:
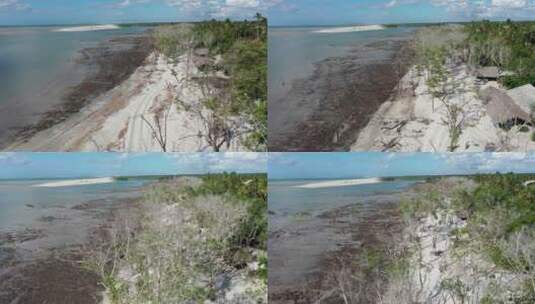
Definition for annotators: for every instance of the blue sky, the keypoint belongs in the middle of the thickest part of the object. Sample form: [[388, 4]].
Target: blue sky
[[280, 12], [76, 165], [333, 12], [349, 165]]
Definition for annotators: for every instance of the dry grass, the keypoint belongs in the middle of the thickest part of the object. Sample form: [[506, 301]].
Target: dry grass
[[181, 253]]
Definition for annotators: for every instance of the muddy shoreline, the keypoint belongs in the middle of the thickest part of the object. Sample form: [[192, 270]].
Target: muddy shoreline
[[60, 275], [344, 93], [109, 64], [357, 230], [372, 229]]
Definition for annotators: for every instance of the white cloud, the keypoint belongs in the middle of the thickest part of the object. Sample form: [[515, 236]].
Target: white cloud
[[491, 162], [470, 9], [243, 3], [211, 8], [490, 8], [125, 3], [509, 3], [223, 161], [16, 5], [391, 4]]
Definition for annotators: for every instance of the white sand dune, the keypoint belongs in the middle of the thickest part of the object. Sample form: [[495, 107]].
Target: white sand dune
[[77, 182], [349, 29], [117, 120], [408, 122], [88, 28], [341, 183]]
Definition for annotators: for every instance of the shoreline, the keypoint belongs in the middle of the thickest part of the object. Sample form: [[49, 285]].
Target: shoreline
[[407, 122], [56, 274], [113, 61], [341, 183], [478, 114], [347, 29], [77, 182], [351, 232], [150, 104], [334, 120]]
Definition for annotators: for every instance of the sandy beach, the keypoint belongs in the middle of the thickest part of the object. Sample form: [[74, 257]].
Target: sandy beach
[[412, 120], [341, 183], [325, 111], [358, 28], [89, 28], [124, 115], [77, 182]]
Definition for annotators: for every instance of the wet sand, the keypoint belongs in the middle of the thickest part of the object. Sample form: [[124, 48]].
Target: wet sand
[[304, 253], [326, 111], [45, 265], [105, 66]]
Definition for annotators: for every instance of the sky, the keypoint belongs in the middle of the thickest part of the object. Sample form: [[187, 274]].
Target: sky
[[354, 165], [279, 12], [87, 165]]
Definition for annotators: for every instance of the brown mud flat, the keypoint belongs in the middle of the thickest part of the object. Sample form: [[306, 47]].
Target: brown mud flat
[[345, 92], [112, 62], [374, 230], [58, 275]]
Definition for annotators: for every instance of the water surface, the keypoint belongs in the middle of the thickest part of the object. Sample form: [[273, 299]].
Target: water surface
[[36, 219], [293, 51], [37, 66]]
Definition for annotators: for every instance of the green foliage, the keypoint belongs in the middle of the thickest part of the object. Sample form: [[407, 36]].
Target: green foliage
[[243, 46], [251, 189], [502, 192], [500, 211], [509, 45], [219, 36], [172, 40], [263, 268], [428, 204], [456, 288]]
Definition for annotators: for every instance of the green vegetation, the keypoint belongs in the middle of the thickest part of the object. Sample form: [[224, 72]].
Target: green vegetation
[[173, 40], [193, 234], [508, 45], [242, 47], [251, 189], [498, 216], [435, 47]]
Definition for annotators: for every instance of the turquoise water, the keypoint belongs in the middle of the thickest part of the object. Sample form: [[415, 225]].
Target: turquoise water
[[37, 65], [293, 51]]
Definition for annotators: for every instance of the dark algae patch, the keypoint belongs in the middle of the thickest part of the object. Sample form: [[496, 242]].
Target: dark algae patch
[[113, 61], [344, 92], [49, 281]]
